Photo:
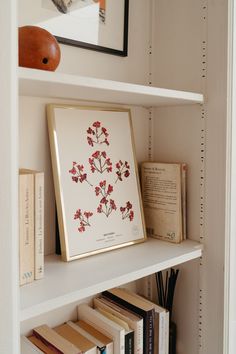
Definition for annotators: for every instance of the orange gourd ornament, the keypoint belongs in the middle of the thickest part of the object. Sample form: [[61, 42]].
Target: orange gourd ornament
[[38, 49]]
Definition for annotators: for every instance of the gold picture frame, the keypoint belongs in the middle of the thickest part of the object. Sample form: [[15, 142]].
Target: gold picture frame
[[96, 179]]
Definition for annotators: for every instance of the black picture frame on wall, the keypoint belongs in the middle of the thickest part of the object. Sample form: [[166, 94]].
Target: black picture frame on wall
[[123, 51]]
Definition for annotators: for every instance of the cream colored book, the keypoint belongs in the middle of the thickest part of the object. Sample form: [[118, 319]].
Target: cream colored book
[[163, 192], [134, 322], [26, 227], [104, 324], [38, 222]]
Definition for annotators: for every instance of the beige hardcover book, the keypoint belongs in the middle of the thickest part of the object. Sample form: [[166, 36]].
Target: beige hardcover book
[[92, 333], [26, 227], [38, 222], [76, 338], [162, 190], [49, 336], [134, 322]]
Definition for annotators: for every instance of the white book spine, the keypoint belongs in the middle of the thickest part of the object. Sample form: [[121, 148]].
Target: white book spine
[[39, 225], [26, 224], [167, 326], [162, 332], [109, 328]]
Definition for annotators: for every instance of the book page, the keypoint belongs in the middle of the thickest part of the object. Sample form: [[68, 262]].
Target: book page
[[161, 187]]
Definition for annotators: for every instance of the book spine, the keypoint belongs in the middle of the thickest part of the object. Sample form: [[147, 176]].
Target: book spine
[[39, 226], [129, 343], [167, 326], [184, 199], [26, 224], [148, 321], [138, 338]]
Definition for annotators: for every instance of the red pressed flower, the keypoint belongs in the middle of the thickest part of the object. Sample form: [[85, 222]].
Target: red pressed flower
[[75, 179], [97, 124], [96, 154], [104, 154], [106, 141], [104, 131], [93, 169], [87, 214], [128, 205], [131, 215], [127, 173], [108, 162], [81, 229], [127, 165], [74, 163], [83, 177], [112, 204], [109, 169], [109, 189], [99, 209], [72, 171], [122, 209], [102, 184], [90, 131], [77, 214], [97, 190], [80, 167], [118, 165], [90, 141], [104, 200]]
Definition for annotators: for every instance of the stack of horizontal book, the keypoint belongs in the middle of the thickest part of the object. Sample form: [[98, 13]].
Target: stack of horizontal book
[[31, 225], [120, 322]]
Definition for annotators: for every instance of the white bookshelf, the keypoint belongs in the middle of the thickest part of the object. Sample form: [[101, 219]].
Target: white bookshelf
[[65, 283], [189, 51], [52, 84]]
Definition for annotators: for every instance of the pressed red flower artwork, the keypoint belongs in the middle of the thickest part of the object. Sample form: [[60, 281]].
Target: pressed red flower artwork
[[98, 192], [99, 162], [97, 134], [127, 212], [78, 174], [123, 170], [83, 218], [107, 205]]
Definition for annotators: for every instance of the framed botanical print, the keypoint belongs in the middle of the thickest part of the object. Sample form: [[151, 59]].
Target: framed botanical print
[[100, 25], [96, 179]]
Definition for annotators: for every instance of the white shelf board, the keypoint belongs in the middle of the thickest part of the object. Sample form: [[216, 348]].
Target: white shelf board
[[52, 84], [65, 283]]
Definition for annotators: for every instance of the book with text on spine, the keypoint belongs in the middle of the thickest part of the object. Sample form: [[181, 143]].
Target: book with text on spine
[[141, 308], [26, 228], [134, 322], [164, 200], [38, 221]]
